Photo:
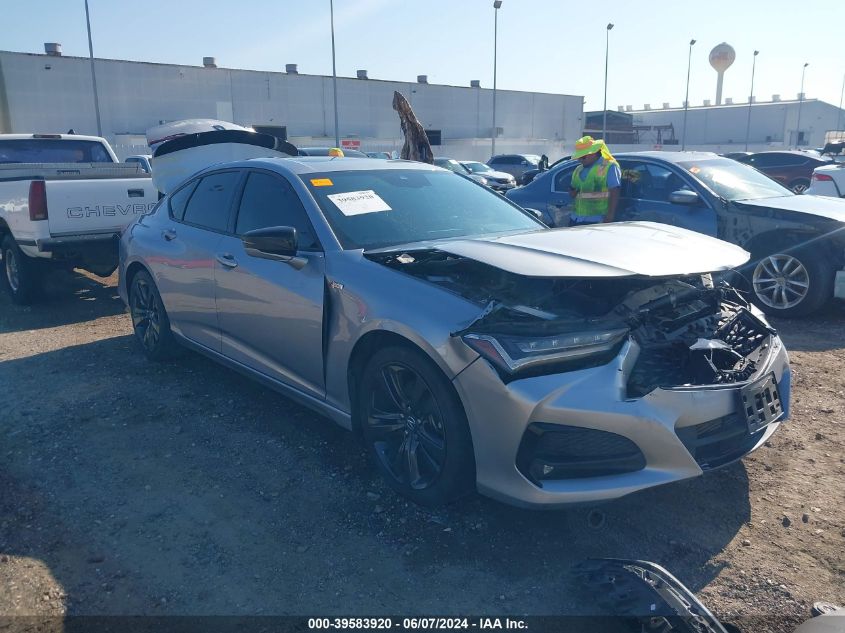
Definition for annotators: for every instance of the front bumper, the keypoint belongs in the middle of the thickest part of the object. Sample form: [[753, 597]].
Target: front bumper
[[501, 186], [660, 424]]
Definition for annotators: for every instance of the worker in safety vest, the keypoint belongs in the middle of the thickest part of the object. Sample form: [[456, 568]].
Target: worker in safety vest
[[336, 152], [595, 183]]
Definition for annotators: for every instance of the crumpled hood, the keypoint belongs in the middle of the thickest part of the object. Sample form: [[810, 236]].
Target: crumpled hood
[[821, 206], [603, 250]]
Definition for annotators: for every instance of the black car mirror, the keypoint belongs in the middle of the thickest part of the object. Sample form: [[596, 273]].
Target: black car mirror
[[274, 242], [684, 196]]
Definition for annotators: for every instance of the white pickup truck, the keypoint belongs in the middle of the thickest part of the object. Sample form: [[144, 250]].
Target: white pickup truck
[[64, 199]]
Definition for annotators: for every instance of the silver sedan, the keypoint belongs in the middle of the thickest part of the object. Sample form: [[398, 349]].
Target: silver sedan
[[470, 347]]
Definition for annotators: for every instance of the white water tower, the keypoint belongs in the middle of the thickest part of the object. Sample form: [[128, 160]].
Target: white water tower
[[721, 58]]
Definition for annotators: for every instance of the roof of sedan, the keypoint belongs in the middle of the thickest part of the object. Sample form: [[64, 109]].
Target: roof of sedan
[[672, 157], [313, 164]]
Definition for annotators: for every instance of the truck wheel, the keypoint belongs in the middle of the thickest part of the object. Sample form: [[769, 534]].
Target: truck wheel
[[791, 283], [149, 318], [21, 275]]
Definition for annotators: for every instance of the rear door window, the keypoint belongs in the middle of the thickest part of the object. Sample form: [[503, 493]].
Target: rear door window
[[179, 200], [211, 202]]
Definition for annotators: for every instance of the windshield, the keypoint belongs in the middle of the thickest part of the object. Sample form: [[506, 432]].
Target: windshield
[[477, 168], [451, 164], [49, 150], [380, 208], [734, 181]]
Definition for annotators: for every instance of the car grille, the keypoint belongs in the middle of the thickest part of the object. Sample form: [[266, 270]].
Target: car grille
[[671, 362]]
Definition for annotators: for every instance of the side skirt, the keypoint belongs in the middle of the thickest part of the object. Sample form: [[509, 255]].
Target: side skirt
[[342, 418]]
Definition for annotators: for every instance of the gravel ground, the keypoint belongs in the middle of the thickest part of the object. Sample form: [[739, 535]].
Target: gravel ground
[[128, 487]]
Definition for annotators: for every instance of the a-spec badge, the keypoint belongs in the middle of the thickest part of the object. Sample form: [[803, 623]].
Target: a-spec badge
[[335, 285]]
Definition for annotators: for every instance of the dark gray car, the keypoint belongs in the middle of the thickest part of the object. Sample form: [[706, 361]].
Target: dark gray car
[[467, 344], [514, 164]]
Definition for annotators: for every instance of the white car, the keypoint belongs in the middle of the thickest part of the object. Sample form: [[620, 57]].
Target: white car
[[828, 180]]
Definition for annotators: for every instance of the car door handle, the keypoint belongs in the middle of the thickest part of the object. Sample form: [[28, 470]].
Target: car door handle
[[168, 234], [227, 260]]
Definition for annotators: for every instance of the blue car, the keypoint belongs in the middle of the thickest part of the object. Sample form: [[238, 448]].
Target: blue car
[[797, 242]]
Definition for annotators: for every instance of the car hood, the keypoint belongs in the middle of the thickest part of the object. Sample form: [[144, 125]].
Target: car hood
[[821, 206], [603, 250], [495, 174]]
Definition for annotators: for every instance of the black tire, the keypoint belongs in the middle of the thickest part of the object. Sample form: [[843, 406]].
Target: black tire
[[22, 277], [807, 282], [415, 427], [799, 186], [149, 318]]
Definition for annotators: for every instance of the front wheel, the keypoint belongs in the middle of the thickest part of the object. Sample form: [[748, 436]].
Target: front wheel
[[415, 427], [791, 283], [21, 275], [149, 318]]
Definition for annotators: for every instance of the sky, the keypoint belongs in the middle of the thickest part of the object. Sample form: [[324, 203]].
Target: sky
[[555, 46]]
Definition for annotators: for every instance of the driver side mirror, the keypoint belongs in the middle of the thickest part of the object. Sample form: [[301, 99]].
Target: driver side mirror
[[684, 196], [275, 242]]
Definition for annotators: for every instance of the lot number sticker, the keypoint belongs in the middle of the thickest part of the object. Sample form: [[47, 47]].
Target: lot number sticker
[[359, 202]]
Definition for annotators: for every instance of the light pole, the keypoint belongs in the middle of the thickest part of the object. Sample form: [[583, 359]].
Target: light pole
[[606, 57], [686, 99], [334, 79], [750, 100], [839, 114], [93, 73], [497, 4], [800, 103]]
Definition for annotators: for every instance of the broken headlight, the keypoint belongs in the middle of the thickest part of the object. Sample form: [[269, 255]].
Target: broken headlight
[[516, 353]]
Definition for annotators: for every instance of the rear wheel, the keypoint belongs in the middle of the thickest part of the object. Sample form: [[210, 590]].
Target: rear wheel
[[799, 186], [149, 318], [791, 283], [21, 275], [415, 427]]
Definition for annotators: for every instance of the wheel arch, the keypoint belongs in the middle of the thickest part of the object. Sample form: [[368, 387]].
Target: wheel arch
[[363, 350], [133, 269], [787, 240]]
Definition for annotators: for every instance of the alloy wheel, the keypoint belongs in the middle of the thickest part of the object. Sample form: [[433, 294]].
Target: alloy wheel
[[781, 281], [12, 271], [405, 426], [800, 188], [146, 316]]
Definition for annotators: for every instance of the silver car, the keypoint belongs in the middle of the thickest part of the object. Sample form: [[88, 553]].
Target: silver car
[[500, 181], [471, 347]]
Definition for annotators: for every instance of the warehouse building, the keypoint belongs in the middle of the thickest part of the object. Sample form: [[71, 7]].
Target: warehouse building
[[54, 93], [774, 124]]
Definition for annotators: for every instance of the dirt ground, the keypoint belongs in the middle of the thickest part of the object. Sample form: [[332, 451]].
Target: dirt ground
[[128, 487]]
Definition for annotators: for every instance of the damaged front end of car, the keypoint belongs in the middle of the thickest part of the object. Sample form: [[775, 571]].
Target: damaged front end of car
[[626, 380], [688, 329]]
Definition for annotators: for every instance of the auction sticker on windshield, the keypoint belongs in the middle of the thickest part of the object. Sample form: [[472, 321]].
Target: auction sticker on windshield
[[358, 202]]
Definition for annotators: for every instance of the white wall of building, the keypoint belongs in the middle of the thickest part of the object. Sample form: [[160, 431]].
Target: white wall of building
[[53, 94], [773, 124]]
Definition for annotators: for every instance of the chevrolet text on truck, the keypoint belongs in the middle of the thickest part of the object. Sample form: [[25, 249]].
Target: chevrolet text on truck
[[64, 199]]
